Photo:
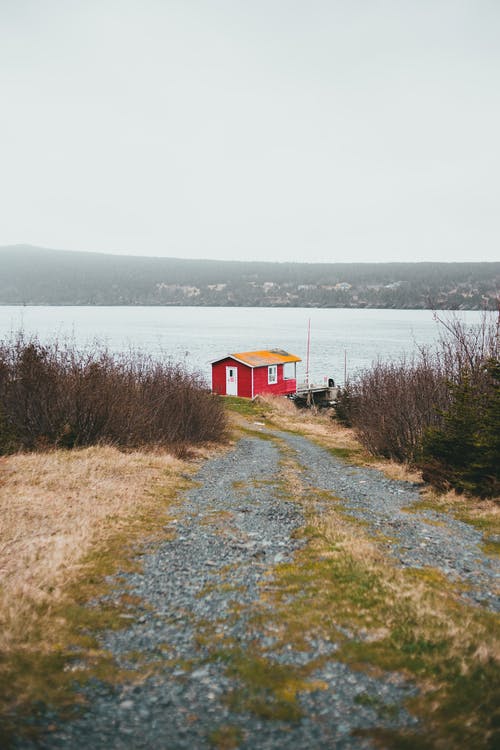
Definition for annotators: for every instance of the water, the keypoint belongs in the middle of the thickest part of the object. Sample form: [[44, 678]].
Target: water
[[198, 335]]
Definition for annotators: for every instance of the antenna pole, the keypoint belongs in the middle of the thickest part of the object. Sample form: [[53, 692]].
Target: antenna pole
[[345, 366], [308, 350]]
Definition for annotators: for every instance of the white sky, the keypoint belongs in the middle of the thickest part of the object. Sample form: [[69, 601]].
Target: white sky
[[322, 130]]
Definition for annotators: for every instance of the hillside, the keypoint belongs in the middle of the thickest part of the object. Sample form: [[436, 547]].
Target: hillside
[[39, 276]]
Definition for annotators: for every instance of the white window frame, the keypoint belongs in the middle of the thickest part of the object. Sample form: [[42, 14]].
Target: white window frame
[[272, 374]]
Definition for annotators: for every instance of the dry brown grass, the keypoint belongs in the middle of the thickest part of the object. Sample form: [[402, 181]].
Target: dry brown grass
[[481, 513], [313, 423], [320, 427], [54, 509], [482, 508], [395, 470]]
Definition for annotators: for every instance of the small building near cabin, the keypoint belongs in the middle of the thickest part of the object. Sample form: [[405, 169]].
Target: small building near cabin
[[249, 373]]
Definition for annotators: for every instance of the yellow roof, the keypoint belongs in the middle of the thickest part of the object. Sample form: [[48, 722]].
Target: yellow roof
[[265, 357]]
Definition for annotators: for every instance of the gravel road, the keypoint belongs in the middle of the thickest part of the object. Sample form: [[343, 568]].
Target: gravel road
[[423, 538], [200, 589]]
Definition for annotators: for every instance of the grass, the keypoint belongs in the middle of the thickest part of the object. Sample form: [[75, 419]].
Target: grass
[[69, 519], [323, 429], [267, 690], [225, 737], [342, 587], [247, 407], [484, 515], [248, 431], [383, 709], [265, 687]]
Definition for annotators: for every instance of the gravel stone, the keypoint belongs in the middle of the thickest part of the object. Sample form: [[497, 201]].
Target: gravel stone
[[425, 538], [231, 528]]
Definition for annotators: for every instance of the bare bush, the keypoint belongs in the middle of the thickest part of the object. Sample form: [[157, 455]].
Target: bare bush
[[464, 349], [393, 404], [55, 395]]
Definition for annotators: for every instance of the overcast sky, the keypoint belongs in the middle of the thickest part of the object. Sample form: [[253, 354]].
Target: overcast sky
[[322, 130]]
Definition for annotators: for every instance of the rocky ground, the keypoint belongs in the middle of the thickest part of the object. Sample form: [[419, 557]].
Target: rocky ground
[[417, 539], [211, 675]]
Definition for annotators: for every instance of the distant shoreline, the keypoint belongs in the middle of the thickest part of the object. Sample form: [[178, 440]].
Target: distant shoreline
[[256, 307], [38, 276]]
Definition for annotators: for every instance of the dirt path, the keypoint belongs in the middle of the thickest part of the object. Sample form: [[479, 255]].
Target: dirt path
[[215, 664]]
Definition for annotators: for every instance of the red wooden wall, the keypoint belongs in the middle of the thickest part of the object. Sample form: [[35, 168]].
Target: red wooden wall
[[244, 377], [260, 384], [260, 376]]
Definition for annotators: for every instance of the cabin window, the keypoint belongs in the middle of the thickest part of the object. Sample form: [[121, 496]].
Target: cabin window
[[272, 374], [289, 370]]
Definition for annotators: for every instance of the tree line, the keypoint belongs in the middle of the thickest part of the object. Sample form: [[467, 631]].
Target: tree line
[[38, 276]]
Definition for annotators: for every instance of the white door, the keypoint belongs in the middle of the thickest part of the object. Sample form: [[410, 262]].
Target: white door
[[231, 381]]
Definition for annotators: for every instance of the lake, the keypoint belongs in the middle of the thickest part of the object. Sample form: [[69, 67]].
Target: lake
[[197, 335]]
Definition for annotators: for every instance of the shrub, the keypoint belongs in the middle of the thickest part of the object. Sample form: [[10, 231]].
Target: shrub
[[55, 395], [390, 405], [464, 451], [439, 410], [345, 405]]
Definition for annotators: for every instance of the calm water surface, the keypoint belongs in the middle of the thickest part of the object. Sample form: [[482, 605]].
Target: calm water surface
[[197, 335]]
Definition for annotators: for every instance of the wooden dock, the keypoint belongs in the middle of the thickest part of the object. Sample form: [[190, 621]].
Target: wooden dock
[[321, 396]]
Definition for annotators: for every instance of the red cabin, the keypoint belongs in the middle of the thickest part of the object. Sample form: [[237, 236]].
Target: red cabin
[[249, 373]]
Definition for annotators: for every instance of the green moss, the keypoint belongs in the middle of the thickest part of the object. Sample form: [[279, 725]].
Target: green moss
[[466, 713], [384, 710], [225, 737], [473, 513], [266, 688], [45, 678], [491, 548], [309, 589], [391, 740], [32, 681]]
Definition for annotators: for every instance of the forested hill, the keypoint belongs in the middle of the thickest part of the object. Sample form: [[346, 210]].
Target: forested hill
[[38, 276]]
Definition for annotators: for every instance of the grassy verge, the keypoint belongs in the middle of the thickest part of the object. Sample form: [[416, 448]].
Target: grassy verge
[[69, 519]]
